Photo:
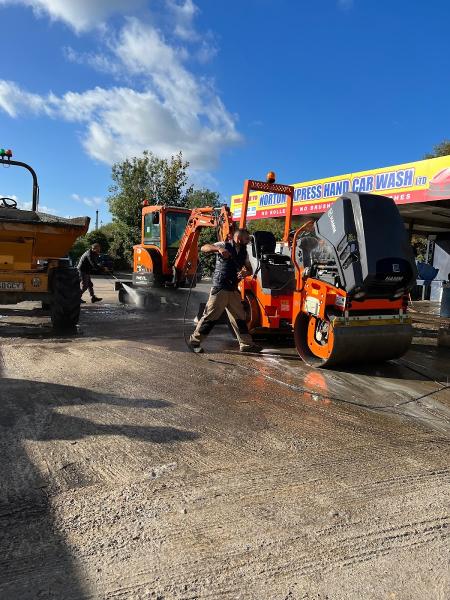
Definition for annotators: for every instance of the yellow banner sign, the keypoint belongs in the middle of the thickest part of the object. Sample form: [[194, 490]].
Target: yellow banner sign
[[420, 181]]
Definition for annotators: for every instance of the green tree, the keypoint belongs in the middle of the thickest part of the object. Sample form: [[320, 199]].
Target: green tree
[[79, 247], [98, 236], [121, 246], [441, 149], [202, 197], [158, 180], [276, 226], [104, 235], [419, 243], [196, 199]]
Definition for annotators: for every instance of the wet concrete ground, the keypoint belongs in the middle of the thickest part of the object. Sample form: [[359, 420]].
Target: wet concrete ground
[[132, 468]]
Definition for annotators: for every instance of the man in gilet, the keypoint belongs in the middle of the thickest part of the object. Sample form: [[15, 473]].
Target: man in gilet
[[232, 264], [88, 264]]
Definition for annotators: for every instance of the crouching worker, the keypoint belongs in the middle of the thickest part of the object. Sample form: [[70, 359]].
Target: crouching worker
[[89, 263], [232, 264]]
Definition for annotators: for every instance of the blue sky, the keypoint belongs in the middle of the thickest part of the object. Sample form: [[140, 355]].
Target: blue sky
[[309, 88]]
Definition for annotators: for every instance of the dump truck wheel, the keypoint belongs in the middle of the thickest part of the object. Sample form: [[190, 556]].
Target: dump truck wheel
[[66, 297]]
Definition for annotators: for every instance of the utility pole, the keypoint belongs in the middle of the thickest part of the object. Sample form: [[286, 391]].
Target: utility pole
[[96, 219]]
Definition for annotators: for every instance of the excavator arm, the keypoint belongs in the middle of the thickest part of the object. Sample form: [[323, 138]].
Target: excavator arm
[[186, 260]]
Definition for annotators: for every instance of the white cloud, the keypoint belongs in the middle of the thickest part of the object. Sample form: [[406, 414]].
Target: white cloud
[[41, 208], [206, 52], [13, 100], [175, 112], [160, 105], [79, 14], [184, 13], [91, 201], [99, 62], [26, 205]]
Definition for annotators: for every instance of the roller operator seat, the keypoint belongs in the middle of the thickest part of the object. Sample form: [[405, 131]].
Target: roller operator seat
[[274, 271]]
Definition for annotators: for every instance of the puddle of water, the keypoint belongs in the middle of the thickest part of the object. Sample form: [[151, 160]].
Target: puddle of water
[[429, 412]]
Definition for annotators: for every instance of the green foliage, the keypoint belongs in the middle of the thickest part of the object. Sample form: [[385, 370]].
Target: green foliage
[[276, 226], [208, 235], [121, 245], [441, 149], [202, 197], [104, 236], [158, 180], [80, 246], [98, 236], [208, 261], [419, 243]]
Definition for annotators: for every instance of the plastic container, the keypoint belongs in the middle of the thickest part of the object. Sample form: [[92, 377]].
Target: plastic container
[[436, 288], [445, 302]]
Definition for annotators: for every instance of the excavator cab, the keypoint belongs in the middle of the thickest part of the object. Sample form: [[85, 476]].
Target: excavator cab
[[163, 228]]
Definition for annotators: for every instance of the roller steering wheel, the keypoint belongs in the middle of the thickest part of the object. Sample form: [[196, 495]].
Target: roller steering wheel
[[6, 202]]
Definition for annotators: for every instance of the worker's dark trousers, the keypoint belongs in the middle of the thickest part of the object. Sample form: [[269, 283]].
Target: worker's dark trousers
[[86, 283], [217, 303]]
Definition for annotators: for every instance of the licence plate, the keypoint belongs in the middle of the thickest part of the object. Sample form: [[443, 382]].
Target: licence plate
[[11, 285]]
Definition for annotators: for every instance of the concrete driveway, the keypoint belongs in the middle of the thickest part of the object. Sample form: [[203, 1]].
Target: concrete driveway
[[132, 468]]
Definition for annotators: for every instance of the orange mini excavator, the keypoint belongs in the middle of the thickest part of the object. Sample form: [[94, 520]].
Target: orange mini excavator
[[168, 253], [339, 284]]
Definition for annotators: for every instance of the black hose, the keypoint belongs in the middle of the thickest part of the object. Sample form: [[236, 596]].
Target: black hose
[[186, 306]]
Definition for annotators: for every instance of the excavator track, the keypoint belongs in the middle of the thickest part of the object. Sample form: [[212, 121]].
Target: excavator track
[[342, 341]]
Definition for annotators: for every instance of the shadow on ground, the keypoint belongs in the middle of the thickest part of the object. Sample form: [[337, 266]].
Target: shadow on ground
[[29, 411]]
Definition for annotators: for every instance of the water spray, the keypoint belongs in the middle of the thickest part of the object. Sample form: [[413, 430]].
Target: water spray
[[136, 298]]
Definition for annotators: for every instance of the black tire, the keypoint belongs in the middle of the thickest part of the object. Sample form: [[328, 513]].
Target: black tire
[[251, 311], [66, 299], [190, 281], [159, 281], [123, 296]]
